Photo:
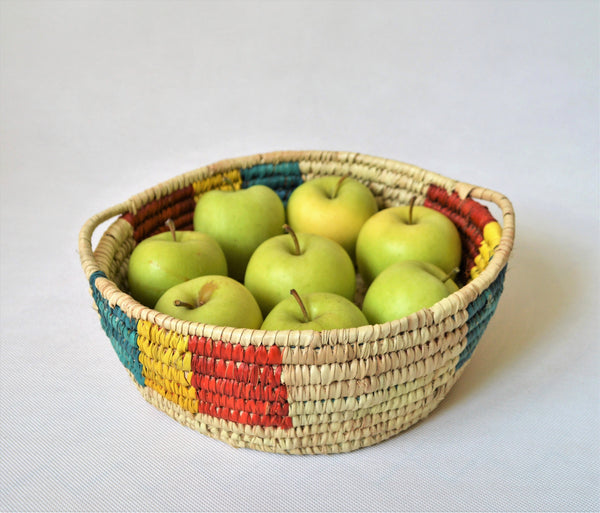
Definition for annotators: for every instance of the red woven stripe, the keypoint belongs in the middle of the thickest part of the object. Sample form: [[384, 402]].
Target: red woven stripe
[[202, 346], [150, 218], [238, 383], [244, 372], [239, 389]]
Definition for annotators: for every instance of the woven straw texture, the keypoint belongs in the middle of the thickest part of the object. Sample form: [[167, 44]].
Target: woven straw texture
[[299, 392]]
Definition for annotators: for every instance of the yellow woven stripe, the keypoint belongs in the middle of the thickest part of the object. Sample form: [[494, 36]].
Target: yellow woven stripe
[[217, 182], [166, 364], [164, 346], [492, 232], [174, 394]]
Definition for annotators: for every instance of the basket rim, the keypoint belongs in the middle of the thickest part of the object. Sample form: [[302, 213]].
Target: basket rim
[[447, 307]]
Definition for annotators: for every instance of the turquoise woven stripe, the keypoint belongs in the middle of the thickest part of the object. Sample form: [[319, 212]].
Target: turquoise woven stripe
[[283, 178], [121, 330], [480, 312]]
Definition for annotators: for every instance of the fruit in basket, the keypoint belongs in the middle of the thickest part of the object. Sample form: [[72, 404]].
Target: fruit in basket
[[332, 206], [407, 233], [215, 299], [239, 220], [166, 259], [406, 287], [304, 261], [315, 311]]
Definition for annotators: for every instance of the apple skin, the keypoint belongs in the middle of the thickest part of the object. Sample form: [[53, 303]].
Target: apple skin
[[403, 288], [275, 268], [326, 311], [230, 303], [239, 221], [387, 237], [159, 262], [314, 207]]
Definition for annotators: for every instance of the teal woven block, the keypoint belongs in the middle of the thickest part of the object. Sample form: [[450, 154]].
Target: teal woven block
[[283, 177], [121, 330], [480, 312]]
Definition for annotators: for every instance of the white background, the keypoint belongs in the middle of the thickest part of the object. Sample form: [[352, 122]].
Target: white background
[[100, 100]]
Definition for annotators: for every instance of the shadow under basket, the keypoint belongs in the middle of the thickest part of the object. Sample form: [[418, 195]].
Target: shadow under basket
[[301, 392]]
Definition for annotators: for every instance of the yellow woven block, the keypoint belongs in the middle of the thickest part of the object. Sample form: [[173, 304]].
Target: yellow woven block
[[167, 356], [492, 233], [217, 182], [143, 328], [159, 372], [187, 403], [484, 252]]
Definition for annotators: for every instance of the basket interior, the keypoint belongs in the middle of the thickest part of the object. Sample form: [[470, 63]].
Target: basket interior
[[469, 216]]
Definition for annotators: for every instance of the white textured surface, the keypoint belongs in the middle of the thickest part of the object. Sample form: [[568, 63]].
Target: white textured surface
[[100, 100]]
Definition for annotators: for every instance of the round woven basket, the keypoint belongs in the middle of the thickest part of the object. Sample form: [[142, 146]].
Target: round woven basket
[[300, 392]]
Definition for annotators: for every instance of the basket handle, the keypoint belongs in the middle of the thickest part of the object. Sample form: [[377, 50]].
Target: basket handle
[[506, 207], [86, 252]]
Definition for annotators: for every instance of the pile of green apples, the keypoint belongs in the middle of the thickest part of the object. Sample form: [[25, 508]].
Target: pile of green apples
[[252, 263]]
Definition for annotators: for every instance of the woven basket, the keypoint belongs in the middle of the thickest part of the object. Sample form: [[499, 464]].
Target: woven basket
[[299, 391]]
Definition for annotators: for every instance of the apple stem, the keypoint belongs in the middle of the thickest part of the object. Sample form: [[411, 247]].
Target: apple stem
[[203, 296], [178, 302], [301, 303], [338, 185], [289, 230], [171, 225], [451, 274], [410, 209]]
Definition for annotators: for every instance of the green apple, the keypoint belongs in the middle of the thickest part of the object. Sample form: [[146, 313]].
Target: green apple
[[214, 299], [407, 233], [406, 287], [304, 261], [239, 220], [332, 206], [316, 311], [166, 259]]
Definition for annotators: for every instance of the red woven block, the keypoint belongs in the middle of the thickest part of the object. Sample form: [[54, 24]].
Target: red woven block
[[242, 372], [249, 354], [274, 355], [250, 406], [237, 353], [239, 404], [261, 355], [267, 376], [229, 377], [254, 375], [220, 368], [230, 371]]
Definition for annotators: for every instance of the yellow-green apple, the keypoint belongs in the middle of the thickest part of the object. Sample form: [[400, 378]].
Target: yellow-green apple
[[240, 220], [166, 259], [217, 300], [331, 206], [304, 261], [406, 233], [315, 311], [406, 287]]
